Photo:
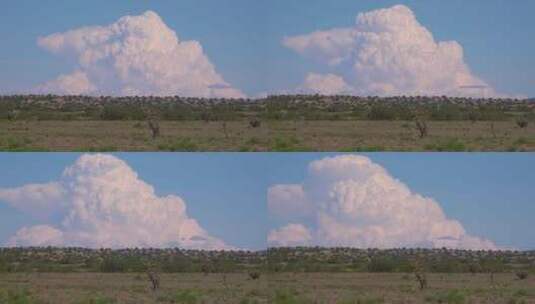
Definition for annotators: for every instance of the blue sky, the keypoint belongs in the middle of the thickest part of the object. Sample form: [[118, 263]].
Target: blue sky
[[222, 192], [491, 194], [243, 38]]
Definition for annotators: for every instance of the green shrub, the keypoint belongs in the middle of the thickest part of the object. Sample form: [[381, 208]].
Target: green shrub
[[4, 265], [447, 112], [13, 143], [248, 301], [364, 149], [245, 149], [20, 296], [183, 297], [112, 264], [452, 145], [381, 112], [522, 122], [253, 141], [449, 297], [97, 299], [121, 112], [521, 141], [381, 264], [370, 300], [255, 275], [281, 144], [183, 144], [97, 149], [516, 301], [522, 275], [285, 297], [521, 293]]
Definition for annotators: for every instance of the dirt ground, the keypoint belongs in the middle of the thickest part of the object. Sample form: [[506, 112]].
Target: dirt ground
[[342, 288], [283, 288], [98, 288], [270, 136]]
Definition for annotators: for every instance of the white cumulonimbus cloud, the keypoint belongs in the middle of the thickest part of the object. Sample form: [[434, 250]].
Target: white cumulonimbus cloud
[[99, 201], [387, 52], [351, 201], [137, 55]]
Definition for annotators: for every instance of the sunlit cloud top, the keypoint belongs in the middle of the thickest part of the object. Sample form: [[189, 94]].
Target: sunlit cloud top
[[102, 203], [137, 55]]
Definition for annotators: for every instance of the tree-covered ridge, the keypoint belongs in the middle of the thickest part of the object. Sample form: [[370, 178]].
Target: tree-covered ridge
[[295, 259], [172, 260], [318, 259], [280, 107]]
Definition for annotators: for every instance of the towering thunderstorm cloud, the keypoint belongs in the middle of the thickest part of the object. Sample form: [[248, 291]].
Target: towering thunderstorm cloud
[[137, 55], [99, 201], [351, 201], [387, 52]]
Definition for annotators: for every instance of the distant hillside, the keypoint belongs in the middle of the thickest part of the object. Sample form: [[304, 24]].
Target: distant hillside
[[318, 259], [280, 107], [50, 259], [299, 259]]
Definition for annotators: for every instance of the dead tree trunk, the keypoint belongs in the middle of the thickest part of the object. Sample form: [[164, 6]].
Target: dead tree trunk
[[254, 123], [154, 278], [154, 127], [421, 125], [492, 130], [225, 129], [422, 280], [12, 115]]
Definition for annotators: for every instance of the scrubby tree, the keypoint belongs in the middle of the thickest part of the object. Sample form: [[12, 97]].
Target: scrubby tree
[[381, 112], [154, 127], [224, 127], [492, 130], [422, 280], [206, 268], [492, 265], [420, 273], [421, 126], [3, 265], [522, 122], [521, 275], [12, 115], [112, 264], [254, 275], [254, 123], [474, 268], [154, 278], [381, 264], [473, 116]]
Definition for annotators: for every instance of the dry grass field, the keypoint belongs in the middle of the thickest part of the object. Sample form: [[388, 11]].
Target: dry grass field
[[97, 288], [284, 288], [372, 288], [358, 135]]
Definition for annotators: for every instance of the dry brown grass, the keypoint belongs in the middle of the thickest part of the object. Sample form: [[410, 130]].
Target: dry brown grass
[[97, 288], [285, 288], [370, 288], [271, 136]]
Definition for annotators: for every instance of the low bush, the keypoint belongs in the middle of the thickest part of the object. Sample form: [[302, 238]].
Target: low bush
[[19, 296], [183, 144], [285, 297], [452, 145], [182, 297], [449, 297]]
